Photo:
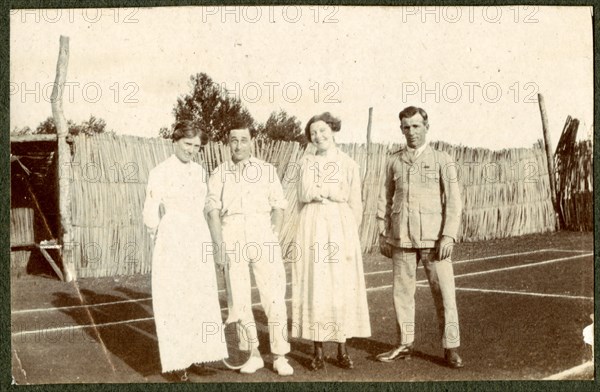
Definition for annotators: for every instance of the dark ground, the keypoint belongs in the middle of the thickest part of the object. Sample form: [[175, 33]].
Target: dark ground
[[506, 332]]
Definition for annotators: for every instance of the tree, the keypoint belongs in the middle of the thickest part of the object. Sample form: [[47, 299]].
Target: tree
[[165, 132], [22, 131], [91, 126], [281, 126], [210, 108]]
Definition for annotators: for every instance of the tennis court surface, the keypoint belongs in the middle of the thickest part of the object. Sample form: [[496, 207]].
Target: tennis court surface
[[523, 303]]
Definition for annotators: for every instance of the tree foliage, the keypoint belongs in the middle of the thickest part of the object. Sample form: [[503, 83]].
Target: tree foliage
[[91, 126], [209, 107], [165, 132], [282, 126]]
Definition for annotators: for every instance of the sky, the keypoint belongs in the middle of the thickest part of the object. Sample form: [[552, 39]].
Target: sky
[[475, 70]]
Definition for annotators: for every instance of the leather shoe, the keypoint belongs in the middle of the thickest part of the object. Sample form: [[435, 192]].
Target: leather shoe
[[317, 363], [344, 361], [402, 351], [453, 360], [177, 376]]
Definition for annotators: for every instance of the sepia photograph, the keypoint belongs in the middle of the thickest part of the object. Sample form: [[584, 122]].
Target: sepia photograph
[[284, 194]]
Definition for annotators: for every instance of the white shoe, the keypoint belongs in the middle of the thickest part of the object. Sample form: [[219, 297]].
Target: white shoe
[[282, 367], [253, 364]]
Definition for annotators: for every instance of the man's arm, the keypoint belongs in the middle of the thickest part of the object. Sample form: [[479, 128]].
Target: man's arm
[[390, 190], [452, 208], [212, 213], [277, 220], [277, 201], [213, 218], [381, 207]]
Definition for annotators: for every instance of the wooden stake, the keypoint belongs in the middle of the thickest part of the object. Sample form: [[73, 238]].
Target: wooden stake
[[369, 136], [369, 127], [549, 157], [64, 159]]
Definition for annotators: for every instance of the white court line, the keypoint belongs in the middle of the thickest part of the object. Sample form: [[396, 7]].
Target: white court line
[[568, 250], [524, 265], [496, 269], [74, 327], [527, 293], [52, 309], [477, 259], [579, 370]]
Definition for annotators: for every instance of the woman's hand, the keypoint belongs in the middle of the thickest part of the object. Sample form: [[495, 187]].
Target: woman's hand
[[152, 233]]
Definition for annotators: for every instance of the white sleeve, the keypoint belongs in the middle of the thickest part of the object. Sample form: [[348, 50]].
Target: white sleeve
[[152, 202]]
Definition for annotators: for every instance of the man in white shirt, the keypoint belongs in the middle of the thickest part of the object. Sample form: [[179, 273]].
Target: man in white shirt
[[244, 209]]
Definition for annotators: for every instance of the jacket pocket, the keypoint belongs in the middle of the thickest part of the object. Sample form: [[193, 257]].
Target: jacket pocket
[[431, 221]]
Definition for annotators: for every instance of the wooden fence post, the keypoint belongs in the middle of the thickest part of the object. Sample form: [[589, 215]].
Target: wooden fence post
[[549, 159], [369, 136], [64, 160]]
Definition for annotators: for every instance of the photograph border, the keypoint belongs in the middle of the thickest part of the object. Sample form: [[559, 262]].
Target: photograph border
[[5, 292]]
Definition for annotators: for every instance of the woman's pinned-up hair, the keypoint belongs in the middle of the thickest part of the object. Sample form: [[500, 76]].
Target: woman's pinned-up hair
[[187, 129], [334, 123], [184, 129]]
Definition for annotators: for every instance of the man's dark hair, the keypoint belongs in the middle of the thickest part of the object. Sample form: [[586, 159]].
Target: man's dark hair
[[251, 129], [411, 111]]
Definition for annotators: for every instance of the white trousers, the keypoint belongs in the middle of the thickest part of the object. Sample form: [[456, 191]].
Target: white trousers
[[251, 243]]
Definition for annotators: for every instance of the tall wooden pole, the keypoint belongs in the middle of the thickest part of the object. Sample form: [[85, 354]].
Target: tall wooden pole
[[369, 138], [369, 127], [549, 158], [64, 160]]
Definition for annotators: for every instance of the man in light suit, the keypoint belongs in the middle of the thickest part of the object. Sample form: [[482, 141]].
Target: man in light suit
[[420, 224]]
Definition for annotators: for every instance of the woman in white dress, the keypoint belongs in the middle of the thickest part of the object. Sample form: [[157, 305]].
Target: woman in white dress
[[329, 294], [184, 284]]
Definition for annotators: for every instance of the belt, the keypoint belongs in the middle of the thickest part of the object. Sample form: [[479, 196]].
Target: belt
[[327, 201]]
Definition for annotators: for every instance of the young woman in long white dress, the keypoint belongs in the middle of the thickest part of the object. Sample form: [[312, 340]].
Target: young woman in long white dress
[[329, 294], [184, 285]]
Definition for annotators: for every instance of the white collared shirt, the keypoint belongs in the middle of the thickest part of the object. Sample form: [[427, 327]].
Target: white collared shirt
[[248, 187], [415, 152]]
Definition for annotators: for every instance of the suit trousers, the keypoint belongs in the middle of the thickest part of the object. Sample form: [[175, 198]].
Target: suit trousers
[[441, 281]]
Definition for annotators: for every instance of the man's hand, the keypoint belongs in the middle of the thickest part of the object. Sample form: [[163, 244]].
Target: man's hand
[[385, 248], [445, 246], [220, 257]]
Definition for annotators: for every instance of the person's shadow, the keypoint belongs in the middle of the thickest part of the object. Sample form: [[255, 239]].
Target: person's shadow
[[133, 342]]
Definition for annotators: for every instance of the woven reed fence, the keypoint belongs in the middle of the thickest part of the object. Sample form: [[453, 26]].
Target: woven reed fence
[[505, 193], [21, 234], [574, 179]]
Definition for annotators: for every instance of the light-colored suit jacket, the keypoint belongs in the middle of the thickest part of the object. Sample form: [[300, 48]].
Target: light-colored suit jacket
[[422, 199]]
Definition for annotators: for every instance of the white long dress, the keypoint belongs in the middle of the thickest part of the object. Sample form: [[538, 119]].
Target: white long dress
[[184, 285], [329, 295]]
